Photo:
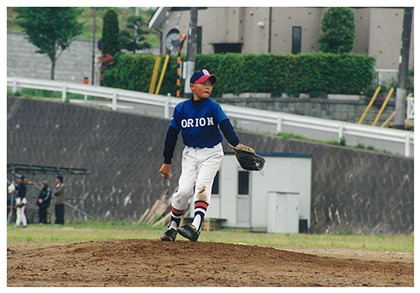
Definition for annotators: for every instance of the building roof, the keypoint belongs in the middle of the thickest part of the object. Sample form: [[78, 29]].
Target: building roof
[[273, 154], [161, 13], [35, 169], [159, 17]]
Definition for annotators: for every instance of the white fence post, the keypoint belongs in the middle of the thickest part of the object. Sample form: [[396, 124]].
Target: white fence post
[[64, 93], [166, 108], [340, 131], [407, 145], [279, 120], [14, 85], [114, 101]]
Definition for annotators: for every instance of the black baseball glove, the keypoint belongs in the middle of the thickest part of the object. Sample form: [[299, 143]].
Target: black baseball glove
[[247, 158]]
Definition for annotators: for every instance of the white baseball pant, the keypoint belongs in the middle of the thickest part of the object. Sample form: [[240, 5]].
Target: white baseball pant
[[20, 213], [199, 167]]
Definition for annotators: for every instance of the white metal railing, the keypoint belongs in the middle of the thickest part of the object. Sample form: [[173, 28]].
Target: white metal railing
[[386, 77], [410, 108], [339, 128]]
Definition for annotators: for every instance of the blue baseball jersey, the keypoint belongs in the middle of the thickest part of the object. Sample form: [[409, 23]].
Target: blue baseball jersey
[[199, 123]]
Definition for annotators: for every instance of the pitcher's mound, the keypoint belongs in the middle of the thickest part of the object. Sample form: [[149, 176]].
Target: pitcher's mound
[[142, 263]]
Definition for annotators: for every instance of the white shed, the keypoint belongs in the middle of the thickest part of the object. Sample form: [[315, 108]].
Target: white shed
[[279, 200]]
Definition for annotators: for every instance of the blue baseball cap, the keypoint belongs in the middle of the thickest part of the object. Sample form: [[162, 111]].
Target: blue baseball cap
[[201, 76]]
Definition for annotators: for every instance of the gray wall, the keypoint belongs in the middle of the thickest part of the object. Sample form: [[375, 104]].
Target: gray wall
[[73, 65], [352, 190], [122, 152], [358, 191], [343, 110]]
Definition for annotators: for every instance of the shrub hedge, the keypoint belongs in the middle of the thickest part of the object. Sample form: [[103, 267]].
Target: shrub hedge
[[311, 73], [134, 72]]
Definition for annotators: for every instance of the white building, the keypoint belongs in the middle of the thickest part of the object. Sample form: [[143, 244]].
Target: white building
[[284, 30], [279, 200]]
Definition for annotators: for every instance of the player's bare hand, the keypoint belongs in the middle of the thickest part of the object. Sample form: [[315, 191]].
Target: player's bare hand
[[165, 170]]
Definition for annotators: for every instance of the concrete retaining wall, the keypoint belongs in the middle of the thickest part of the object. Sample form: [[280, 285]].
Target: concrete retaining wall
[[358, 191], [339, 109], [73, 65]]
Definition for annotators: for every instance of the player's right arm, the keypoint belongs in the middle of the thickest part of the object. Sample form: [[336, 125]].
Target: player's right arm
[[168, 152]]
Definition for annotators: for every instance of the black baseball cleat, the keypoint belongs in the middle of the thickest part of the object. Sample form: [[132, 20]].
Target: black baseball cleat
[[168, 235], [189, 232]]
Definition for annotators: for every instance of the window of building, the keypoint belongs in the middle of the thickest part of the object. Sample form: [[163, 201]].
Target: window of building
[[296, 39], [172, 40], [227, 48], [243, 182]]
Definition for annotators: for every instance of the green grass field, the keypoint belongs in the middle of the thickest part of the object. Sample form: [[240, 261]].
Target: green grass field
[[95, 231]]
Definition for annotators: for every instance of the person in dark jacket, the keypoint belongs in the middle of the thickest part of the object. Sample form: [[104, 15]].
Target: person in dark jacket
[[44, 199], [59, 200]]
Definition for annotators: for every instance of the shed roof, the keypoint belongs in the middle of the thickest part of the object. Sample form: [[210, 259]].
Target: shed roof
[[273, 154], [36, 169]]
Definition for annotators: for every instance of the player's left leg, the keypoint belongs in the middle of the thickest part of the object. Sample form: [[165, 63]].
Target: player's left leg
[[24, 221], [18, 216], [202, 196]]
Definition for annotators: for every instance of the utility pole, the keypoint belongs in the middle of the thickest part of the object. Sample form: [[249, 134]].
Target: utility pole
[[92, 81], [400, 102], [191, 50]]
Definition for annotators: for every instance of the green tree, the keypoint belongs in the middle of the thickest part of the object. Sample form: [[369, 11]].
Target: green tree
[[51, 29], [337, 27], [110, 34], [133, 37]]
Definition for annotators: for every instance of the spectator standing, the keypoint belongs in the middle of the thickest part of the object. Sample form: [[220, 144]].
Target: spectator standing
[[44, 199], [59, 200]]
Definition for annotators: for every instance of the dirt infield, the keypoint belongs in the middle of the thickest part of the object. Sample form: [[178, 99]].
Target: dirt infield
[[145, 263]]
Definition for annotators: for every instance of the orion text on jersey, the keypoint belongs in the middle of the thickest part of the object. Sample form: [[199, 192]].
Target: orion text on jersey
[[185, 123]]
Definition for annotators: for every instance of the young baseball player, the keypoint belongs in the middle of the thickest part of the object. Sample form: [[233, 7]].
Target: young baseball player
[[199, 120]]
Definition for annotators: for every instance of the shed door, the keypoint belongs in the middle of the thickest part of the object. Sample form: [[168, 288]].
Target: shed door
[[243, 200]]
